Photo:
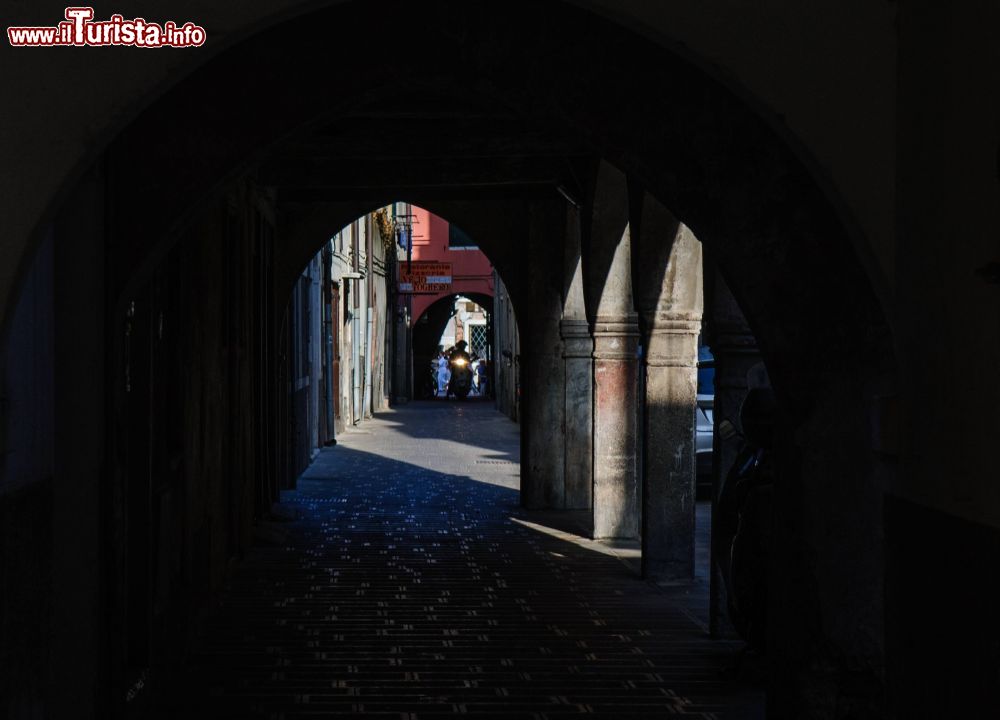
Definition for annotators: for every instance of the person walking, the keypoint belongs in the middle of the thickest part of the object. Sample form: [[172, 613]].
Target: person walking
[[443, 376]]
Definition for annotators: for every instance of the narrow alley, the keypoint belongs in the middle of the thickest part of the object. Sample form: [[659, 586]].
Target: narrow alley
[[412, 584]]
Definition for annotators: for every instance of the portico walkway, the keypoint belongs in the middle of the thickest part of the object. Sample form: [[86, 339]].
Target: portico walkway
[[412, 585]]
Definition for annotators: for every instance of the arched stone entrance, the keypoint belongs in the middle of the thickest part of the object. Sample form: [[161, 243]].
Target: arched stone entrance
[[282, 107]]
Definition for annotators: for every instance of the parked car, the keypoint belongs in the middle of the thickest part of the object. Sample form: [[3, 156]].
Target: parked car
[[705, 420]]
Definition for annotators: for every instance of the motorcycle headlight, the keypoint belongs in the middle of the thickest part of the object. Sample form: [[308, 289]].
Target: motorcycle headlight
[[461, 362]]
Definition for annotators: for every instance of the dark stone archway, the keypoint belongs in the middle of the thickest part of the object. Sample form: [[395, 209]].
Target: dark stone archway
[[556, 76]]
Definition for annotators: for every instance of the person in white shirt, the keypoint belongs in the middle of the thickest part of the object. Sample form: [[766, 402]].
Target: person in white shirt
[[443, 376]]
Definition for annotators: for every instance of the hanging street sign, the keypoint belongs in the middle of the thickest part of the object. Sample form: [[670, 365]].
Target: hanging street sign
[[424, 277]]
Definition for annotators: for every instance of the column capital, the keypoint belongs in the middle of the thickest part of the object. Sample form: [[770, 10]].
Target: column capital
[[655, 322], [623, 324], [572, 327], [616, 337], [670, 339], [576, 337]]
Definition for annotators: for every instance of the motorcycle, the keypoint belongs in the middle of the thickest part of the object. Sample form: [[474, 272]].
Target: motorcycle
[[460, 365], [745, 519]]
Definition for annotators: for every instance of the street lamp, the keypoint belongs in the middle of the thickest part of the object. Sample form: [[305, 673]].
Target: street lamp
[[404, 233]]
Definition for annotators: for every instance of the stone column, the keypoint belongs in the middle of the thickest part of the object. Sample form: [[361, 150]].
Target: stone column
[[616, 338], [543, 405], [738, 367], [578, 358], [616, 508], [669, 298]]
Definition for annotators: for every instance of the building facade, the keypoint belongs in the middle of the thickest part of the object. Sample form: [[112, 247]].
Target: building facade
[[441, 313], [340, 336]]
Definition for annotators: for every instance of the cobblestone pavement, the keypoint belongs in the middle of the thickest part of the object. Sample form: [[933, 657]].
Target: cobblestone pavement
[[413, 586]]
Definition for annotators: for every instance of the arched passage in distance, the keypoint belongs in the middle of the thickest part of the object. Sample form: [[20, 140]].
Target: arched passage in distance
[[427, 334]]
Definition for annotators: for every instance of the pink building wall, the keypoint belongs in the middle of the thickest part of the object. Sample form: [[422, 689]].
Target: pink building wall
[[470, 269]]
